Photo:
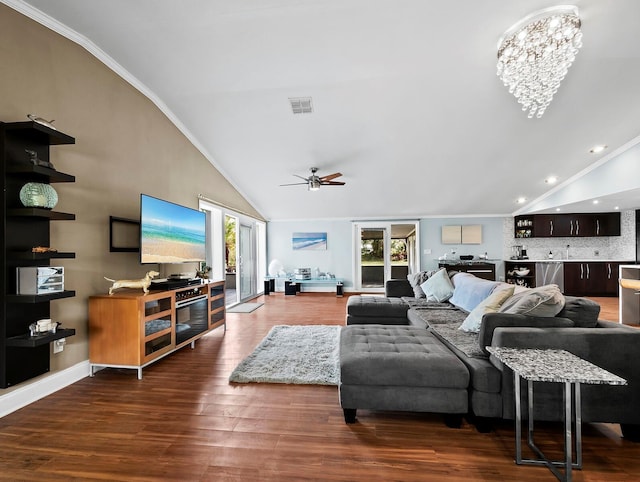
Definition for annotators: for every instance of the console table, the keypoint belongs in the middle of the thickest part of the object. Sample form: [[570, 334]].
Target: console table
[[338, 282], [556, 366], [129, 329]]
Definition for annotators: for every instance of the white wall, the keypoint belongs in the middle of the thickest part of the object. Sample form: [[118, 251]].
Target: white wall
[[431, 236], [336, 259]]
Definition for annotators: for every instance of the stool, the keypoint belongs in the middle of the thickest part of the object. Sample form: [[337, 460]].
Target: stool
[[402, 368], [290, 288], [376, 310]]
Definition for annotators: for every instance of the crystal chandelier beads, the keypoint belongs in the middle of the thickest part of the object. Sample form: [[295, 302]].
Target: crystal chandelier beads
[[535, 54]]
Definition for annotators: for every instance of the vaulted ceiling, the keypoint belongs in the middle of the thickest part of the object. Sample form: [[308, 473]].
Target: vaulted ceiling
[[406, 101]]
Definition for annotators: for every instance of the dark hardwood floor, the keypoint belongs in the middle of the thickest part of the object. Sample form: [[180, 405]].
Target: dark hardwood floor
[[185, 422]]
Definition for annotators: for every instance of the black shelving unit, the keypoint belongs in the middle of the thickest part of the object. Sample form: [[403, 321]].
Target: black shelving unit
[[23, 356]]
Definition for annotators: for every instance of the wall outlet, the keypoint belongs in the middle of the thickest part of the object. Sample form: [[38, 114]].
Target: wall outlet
[[58, 345], [427, 251]]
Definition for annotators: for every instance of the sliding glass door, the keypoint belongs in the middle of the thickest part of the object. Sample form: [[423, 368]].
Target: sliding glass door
[[246, 263]]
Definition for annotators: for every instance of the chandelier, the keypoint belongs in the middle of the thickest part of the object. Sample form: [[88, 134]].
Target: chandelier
[[535, 54]]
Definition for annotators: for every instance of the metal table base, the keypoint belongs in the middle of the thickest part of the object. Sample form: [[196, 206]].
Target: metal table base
[[572, 406]]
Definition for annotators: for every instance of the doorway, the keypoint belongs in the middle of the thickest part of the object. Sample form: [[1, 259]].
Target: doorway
[[384, 251], [230, 264], [236, 251], [246, 263]]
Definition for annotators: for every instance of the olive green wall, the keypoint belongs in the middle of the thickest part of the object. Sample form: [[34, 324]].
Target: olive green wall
[[124, 146]]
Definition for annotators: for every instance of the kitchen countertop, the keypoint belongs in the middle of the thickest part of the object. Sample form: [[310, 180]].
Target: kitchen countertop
[[570, 260]]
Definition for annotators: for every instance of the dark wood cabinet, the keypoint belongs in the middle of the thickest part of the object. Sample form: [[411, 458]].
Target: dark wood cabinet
[[544, 225], [591, 278], [567, 225], [23, 356], [479, 269], [584, 278], [606, 224]]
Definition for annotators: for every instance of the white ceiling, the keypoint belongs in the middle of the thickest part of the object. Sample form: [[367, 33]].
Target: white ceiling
[[407, 104]]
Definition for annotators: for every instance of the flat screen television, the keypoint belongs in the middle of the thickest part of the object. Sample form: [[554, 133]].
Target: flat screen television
[[170, 233]]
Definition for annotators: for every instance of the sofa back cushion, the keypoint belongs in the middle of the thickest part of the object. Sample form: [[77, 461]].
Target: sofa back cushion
[[582, 311], [469, 291], [491, 321], [543, 301]]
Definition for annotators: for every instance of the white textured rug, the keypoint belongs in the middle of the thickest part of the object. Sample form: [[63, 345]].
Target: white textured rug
[[305, 355]]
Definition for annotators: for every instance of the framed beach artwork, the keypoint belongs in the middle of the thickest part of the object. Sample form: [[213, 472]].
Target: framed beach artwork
[[310, 241]]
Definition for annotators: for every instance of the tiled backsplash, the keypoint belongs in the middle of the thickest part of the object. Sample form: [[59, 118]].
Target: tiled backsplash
[[621, 247]]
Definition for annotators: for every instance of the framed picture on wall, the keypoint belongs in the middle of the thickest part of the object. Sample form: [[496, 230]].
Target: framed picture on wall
[[309, 241]]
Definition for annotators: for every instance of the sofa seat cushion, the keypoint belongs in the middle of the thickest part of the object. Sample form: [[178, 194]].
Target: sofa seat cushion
[[384, 355], [376, 307], [466, 342], [426, 317], [424, 303]]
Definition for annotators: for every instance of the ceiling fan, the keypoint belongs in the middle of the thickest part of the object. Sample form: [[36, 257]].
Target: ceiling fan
[[314, 182]]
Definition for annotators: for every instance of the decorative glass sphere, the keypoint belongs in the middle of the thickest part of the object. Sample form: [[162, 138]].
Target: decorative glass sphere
[[275, 267], [38, 195]]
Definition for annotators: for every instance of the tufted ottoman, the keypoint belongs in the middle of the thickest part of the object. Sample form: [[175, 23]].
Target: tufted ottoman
[[403, 368], [376, 309]]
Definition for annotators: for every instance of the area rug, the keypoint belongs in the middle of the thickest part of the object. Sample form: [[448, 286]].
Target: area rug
[[304, 355], [244, 308]]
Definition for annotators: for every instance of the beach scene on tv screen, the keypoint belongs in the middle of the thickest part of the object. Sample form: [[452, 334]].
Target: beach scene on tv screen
[[171, 233]]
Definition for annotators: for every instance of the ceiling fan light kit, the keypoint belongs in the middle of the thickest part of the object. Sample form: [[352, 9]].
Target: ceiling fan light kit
[[314, 181]]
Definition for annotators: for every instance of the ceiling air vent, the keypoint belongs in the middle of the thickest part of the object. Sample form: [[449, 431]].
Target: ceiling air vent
[[301, 105]]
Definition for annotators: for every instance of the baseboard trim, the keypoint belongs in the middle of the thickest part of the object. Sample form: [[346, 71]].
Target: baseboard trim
[[23, 396]]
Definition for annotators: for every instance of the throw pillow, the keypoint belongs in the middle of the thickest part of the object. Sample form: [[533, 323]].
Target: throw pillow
[[488, 305], [438, 286], [416, 279], [543, 301], [470, 291]]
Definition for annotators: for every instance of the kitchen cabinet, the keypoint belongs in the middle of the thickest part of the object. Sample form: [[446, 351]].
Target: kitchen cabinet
[[567, 225], [591, 278], [584, 278]]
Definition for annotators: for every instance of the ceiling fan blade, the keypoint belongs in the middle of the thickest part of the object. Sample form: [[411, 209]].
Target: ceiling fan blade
[[332, 183], [303, 178], [296, 184], [330, 177]]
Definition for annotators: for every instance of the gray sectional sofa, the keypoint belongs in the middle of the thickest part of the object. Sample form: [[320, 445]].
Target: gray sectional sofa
[[401, 352]]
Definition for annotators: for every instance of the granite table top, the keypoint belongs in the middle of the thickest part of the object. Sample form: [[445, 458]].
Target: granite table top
[[553, 366]]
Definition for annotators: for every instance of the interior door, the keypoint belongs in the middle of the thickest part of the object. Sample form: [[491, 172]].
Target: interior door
[[246, 263]]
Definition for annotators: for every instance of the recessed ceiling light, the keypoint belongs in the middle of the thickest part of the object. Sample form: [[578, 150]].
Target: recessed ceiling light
[[521, 200], [557, 209], [616, 207], [595, 201], [597, 149], [551, 180]]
